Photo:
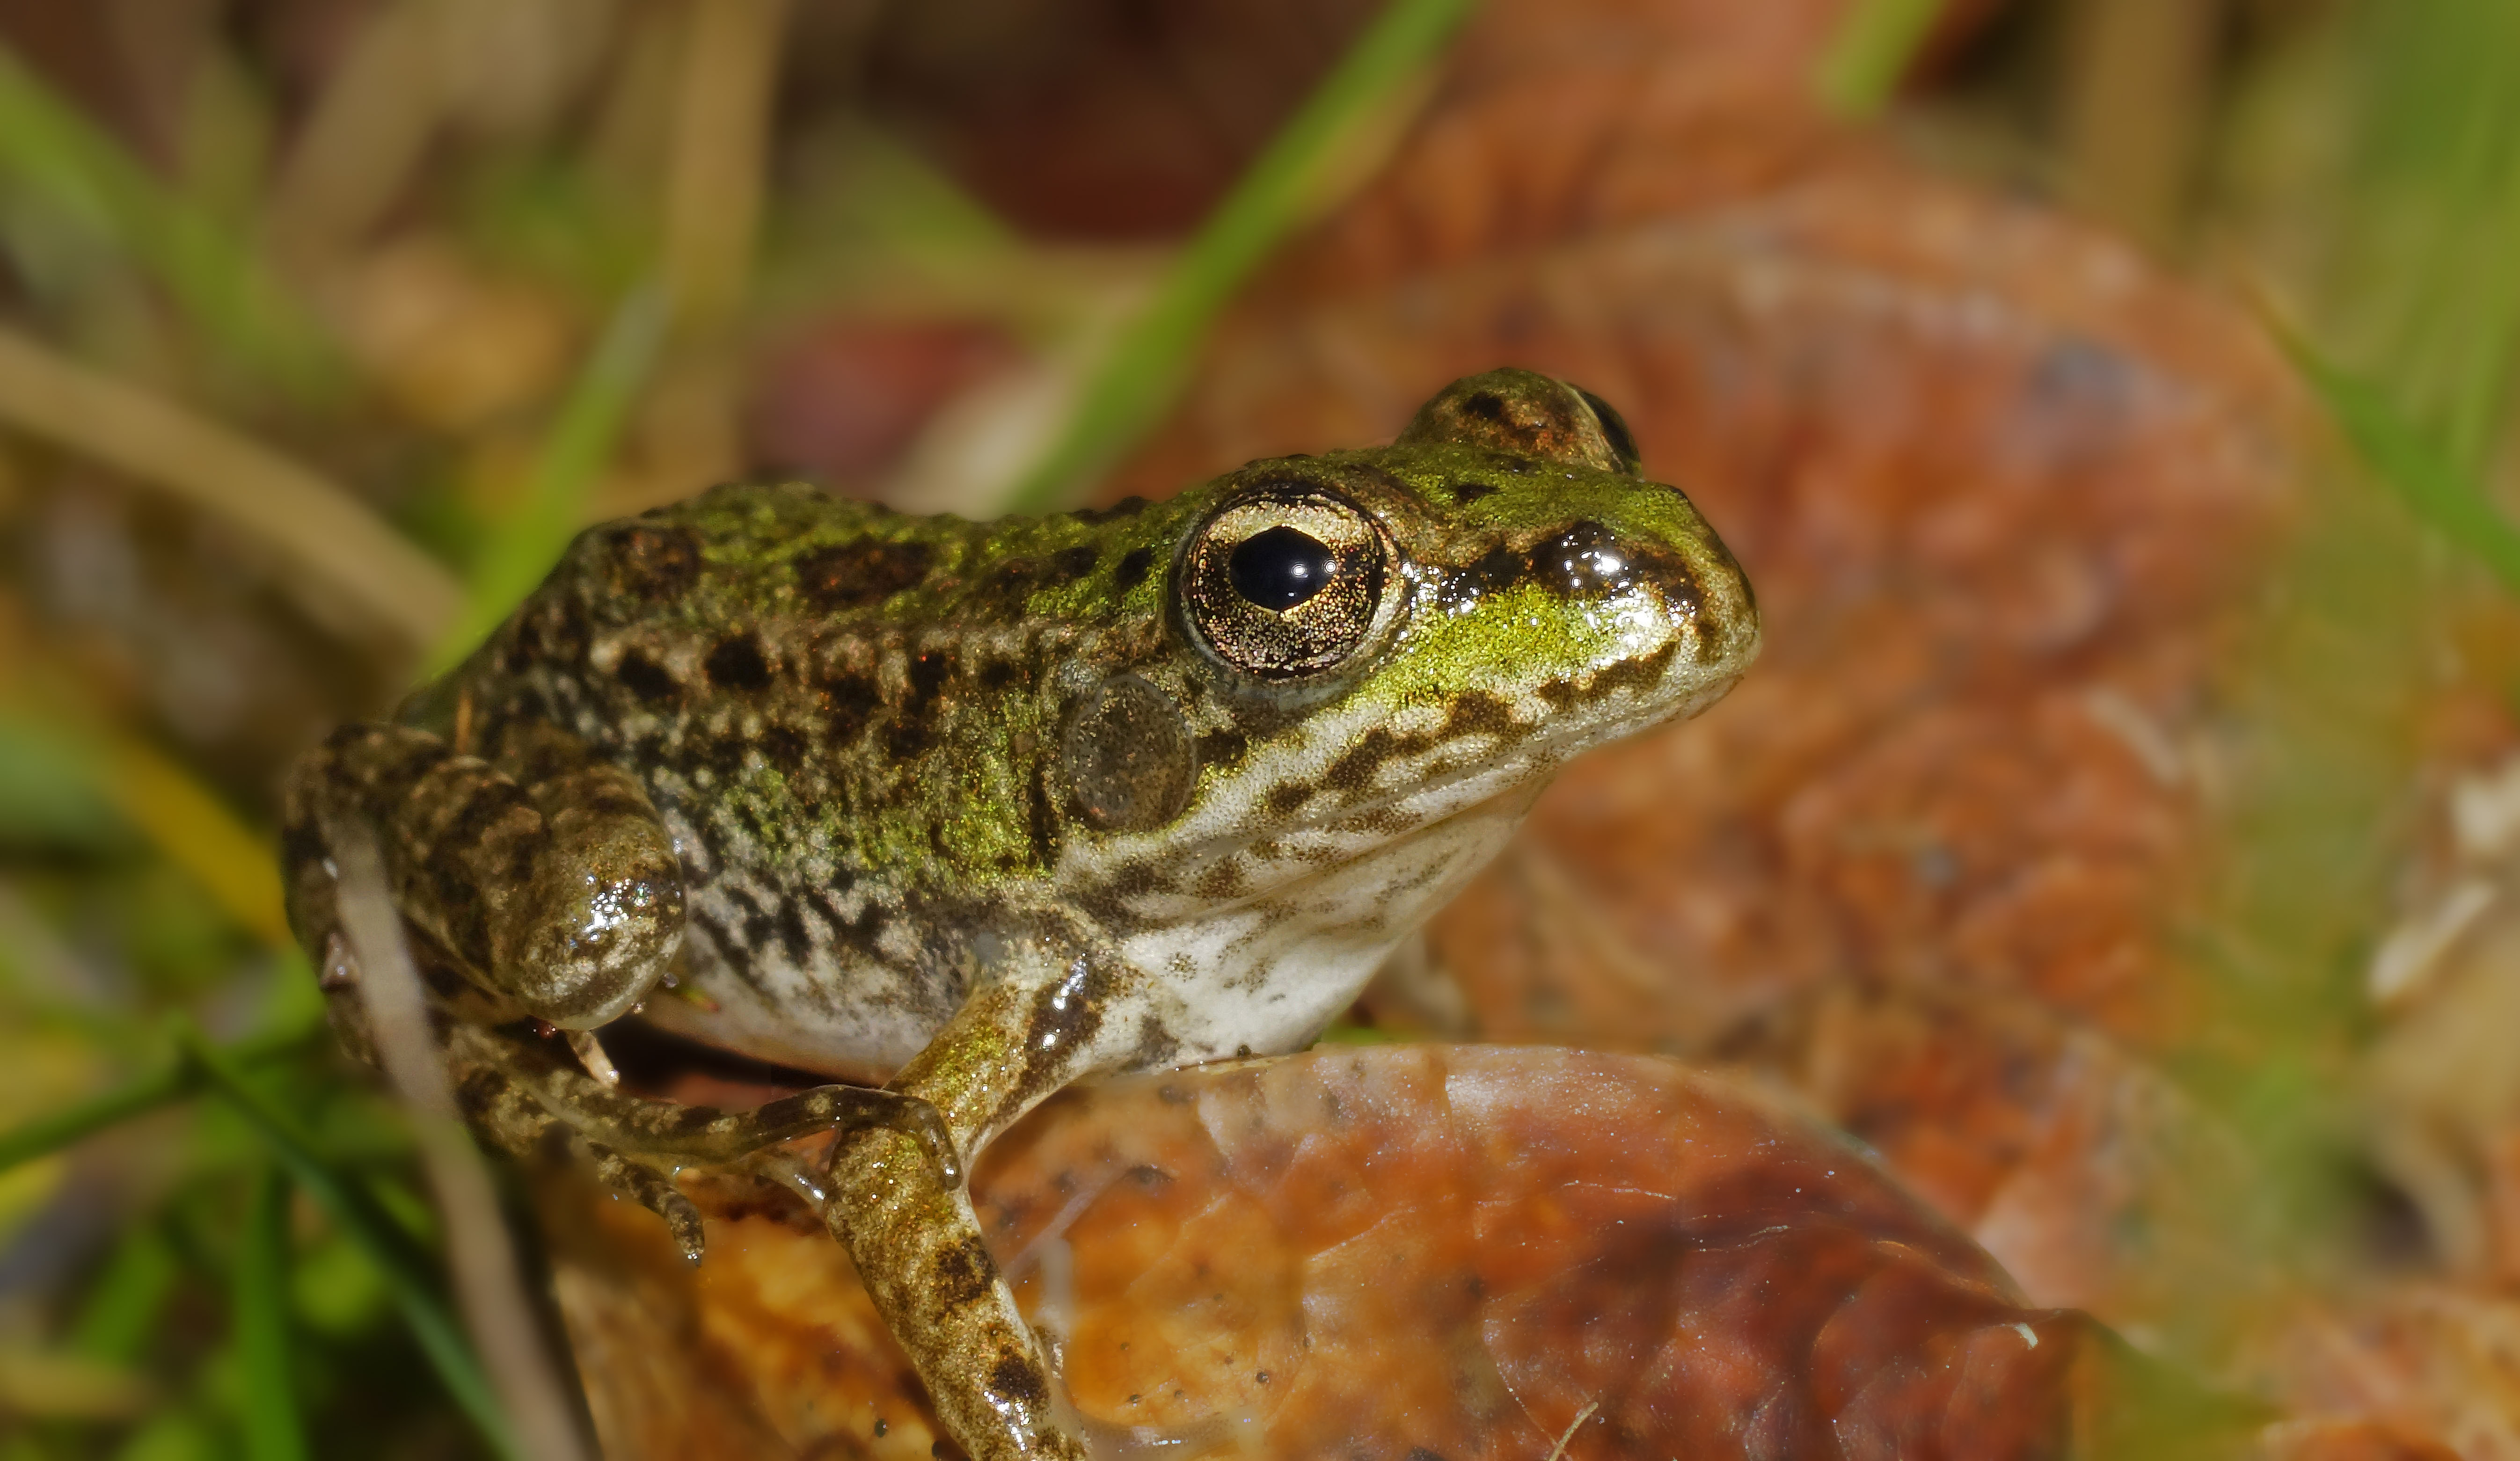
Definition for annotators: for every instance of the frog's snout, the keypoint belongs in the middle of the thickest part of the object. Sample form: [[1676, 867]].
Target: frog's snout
[[1677, 592]]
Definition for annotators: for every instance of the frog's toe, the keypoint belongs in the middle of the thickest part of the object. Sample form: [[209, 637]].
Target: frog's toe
[[655, 1192]]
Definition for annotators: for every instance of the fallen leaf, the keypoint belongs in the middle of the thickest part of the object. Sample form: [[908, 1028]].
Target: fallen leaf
[[1394, 1252]]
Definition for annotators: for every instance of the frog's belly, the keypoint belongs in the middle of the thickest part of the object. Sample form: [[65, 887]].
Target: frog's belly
[[768, 972]]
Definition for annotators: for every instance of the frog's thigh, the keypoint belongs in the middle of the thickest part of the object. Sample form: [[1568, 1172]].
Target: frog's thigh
[[556, 887], [917, 1242]]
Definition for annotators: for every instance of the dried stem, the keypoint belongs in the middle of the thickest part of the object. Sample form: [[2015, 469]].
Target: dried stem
[[337, 551], [482, 1260]]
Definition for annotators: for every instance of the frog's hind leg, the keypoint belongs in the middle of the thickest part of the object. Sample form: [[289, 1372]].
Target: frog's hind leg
[[918, 1243], [543, 875]]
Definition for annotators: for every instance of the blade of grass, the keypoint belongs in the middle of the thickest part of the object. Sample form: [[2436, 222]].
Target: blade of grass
[[572, 455], [1869, 54], [2420, 471], [366, 1224], [328, 543], [56, 155], [260, 1302], [178, 1078], [197, 832], [120, 1312], [1138, 379]]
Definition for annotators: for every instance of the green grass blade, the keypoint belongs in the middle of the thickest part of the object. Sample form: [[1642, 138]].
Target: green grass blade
[[47, 1134], [271, 1432], [120, 1312], [180, 1078], [2419, 470], [58, 158], [367, 1225], [1138, 380], [1871, 53], [573, 453]]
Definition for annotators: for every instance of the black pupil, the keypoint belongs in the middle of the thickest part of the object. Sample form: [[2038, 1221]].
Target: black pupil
[[1281, 568]]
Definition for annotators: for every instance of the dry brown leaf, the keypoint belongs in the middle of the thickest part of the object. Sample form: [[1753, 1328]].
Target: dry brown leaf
[[1392, 1252]]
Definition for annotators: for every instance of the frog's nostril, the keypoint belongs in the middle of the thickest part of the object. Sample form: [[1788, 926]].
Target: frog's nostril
[[1282, 567]]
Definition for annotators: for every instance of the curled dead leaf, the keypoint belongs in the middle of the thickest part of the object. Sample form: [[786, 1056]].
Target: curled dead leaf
[[1394, 1252]]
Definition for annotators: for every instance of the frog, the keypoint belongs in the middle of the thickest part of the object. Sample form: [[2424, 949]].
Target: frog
[[956, 814]]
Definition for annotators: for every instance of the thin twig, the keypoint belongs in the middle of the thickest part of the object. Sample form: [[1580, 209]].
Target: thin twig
[[1558, 1452], [327, 541], [488, 1286], [720, 157], [368, 132]]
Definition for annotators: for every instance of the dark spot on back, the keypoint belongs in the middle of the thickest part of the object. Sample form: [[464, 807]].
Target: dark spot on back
[[1132, 567], [645, 678], [783, 746], [849, 701], [1470, 492], [914, 725], [524, 645], [651, 563], [1041, 819], [852, 575], [737, 664], [1069, 565], [929, 673], [1487, 406]]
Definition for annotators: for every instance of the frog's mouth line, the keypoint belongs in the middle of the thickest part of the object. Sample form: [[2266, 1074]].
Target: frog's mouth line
[[1525, 771]]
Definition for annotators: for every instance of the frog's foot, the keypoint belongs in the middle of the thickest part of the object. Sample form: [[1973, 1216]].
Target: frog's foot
[[673, 1132], [508, 1116]]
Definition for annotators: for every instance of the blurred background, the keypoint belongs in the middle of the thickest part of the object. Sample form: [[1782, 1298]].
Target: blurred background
[[2111, 398]]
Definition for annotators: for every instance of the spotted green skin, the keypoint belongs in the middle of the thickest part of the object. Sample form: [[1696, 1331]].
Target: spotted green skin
[[860, 734]]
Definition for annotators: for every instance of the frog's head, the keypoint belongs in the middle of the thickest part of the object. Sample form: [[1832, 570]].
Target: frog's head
[[1384, 642]]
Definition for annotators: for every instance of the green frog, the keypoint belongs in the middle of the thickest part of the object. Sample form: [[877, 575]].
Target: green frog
[[976, 810]]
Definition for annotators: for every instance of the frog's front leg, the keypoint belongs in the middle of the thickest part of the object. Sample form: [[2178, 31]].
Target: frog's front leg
[[543, 884], [545, 876], [915, 1240]]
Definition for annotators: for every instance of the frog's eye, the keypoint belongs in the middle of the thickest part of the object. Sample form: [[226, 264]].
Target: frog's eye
[[1287, 582]]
